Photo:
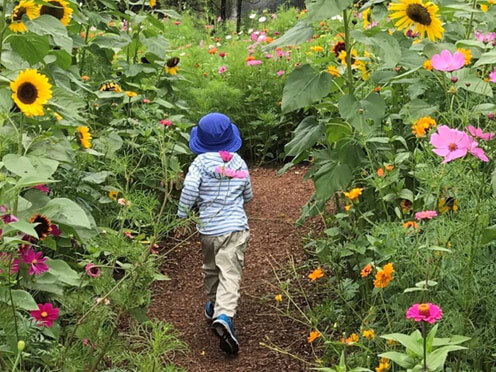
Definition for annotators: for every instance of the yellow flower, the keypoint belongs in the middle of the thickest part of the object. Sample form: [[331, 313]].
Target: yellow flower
[[113, 194], [347, 207], [384, 276], [366, 18], [57, 116], [24, 7], [484, 8], [354, 55], [428, 65], [131, 94], [353, 194], [317, 48], [414, 13], [467, 53], [350, 340], [84, 136], [171, 66], [369, 334], [333, 71], [111, 87], [383, 365], [153, 3], [30, 91], [278, 298], [316, 274], [447, 204], [57, 8], [171, 70], [422, 125], [313, 336]]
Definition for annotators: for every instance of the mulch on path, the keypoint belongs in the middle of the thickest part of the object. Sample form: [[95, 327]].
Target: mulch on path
[[273, 239]]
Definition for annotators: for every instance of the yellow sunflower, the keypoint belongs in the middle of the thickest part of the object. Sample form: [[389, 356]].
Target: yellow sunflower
[[333, 71], [30, 91], [414, 13], [84, 136], [153, 3], [24, 7], [366, 18], [113, 194], [57, 8], [111, 87]]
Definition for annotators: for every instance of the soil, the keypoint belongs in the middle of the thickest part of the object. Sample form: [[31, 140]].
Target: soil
[[274, 240]]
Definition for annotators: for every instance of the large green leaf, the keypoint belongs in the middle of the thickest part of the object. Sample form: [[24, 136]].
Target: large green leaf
[[411, 342], [403, 360], [307, 133], [33, 48], [112, 41], [358, 112], [48, 25], [322, 9], [384, 45], [66, 211], [297, 34], [469, 81], [22, 299], [19, 165], [303, 87], [157, 45], [436, 359], [486, 59], [63, 272]]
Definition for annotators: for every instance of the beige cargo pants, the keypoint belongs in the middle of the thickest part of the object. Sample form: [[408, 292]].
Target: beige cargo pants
[[223, 260]]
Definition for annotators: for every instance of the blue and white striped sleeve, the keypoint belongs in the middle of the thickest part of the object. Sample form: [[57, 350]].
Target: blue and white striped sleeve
[[247, 191], [191, 190]]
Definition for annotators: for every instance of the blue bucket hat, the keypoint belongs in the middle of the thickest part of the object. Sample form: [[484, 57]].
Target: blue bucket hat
[[214, 132]]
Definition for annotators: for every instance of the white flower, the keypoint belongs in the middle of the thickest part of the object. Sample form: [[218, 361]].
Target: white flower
[[218, 44], [250, 30], [262, 19], [339, 18], [252, 15], [92, 28], [228, 37], [240, 32]]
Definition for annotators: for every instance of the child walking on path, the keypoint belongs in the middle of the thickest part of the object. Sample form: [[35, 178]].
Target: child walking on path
[[219, 183]]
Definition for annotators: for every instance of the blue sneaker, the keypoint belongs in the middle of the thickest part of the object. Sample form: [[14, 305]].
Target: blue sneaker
[[224, 328], [209, 310]]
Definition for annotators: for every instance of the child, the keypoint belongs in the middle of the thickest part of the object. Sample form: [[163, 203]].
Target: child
[[219, 182]]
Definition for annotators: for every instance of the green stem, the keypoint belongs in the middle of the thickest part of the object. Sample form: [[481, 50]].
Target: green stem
[[424, 336], [469, 27], [385, 310], [347, 42], [18, 357], [2, 26]]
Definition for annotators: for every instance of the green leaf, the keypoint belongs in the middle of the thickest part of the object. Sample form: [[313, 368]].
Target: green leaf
[[488, 58], [33, 48], [48, 25], [112, 41], [306, 135], [297, 34], [6, 101], [384, 45], [96, 177], [373, 108], [409, 341], [22, 299], [406, 194], [436, 359], [157, 45], [63, 272], [24, 227], [303, 87], [469, 81], [66, 211], [336, 131], [403, 360], [323, 9], [19, 165]]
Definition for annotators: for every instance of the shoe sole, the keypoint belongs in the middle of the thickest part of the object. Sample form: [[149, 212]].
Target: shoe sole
[[228, 343], [208, 317]]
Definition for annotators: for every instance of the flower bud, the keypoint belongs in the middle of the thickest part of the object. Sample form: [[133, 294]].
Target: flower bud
[[454, 79], [397, 68], [467, 84], [21, 345], [360, 111], [490, 116]]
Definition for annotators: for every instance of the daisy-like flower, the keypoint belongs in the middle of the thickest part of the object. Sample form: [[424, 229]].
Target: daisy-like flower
[[447, 204], [171, 67], [445, 61], [339, 47], [92, 270], [467, 53], [57, 8], [27, 8], [384, 276], [353, 339], [313, 336], [366, 271], [427, 65], [450, 143], [43, 227], [485, 38], [476, 151], [225, 156], [35, 260], [420, 16], [212, 51], [280, 72], [278, 298], [222, 69], [425, 215], [317, 48], [383, 365], [369, 334], [422, 125], [131, 94], [316, 274], [353, 193], [46, 314], [30, 91], [478, 133], [406, 206], [165, 123], [84, 136], [411, 225], [428, 312], [113, 194], [111, 87], [254, 62], [333, 71], [153, 3]]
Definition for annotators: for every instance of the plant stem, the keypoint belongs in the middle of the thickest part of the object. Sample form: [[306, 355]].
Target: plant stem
[[469, 27], [424, 336], [385, 310], [2, 26], [347, 42]]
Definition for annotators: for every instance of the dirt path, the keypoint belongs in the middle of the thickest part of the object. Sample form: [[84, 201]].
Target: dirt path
[[273, 239]]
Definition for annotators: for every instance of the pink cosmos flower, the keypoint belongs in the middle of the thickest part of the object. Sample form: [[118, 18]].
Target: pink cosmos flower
[[424, 312], [486, 38], [425, 215], [222, 69], [447, 61], [476, 151], [254, 62], [240, 174], [46, 314], [231, 173], [477, 132], [225, 156], [450, 143], [8, 218], [219, 170], [92, 270], [492, 76], [3, 209], [166, 123], [35, 261], [42, 188], [280, 72]]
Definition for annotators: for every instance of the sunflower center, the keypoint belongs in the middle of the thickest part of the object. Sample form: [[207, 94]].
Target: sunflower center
[[419, 14], [452, 146], [27, 93], [55, 9], [44, 314], [17, 16], [424, 309]]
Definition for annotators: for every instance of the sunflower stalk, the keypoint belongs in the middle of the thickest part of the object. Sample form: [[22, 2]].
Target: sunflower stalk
[[347, 41]]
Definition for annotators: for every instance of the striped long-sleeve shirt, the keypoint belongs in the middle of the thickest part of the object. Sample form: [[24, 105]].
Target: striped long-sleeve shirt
[[220, 199]]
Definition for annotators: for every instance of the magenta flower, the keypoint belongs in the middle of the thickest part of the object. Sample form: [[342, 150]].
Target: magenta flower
[[492, 76], [42, 188], [476, 151], [254, 62], [14, 268], [222, 69], [92, 270], [425, 215], [8, 218], [486, 38], [447, 61], [424, 312], [450, 143], [225, 156], [46, 314], [166, 123], [177, 23], [280, 72], [125, 25], [477, 133], [35, 261], [55, 230]]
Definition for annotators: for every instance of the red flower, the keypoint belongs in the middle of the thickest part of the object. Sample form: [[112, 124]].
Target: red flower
[[45, 314]]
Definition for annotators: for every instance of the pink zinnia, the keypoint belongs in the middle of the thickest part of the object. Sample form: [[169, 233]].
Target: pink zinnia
[[46, 314], [425, 312], [254, 62], [486, 38], [280, 72], [477, 132], [225, 156], [450, 143], [42, 188], [222, 69], [92, 270], [476, 151], [35, 261], [447, 61], [166, 123], [425, 215]]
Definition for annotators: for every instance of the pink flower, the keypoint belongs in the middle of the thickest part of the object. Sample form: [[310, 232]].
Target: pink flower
[[128, 234], [425, 215], [222, 54], [45, 314], [55, 230], [424, 312], [280, 72], [8, 218], [240, 174], [146, 100], [254, 62], [166, 123], [42, 188], [35, 260], [219, 170], [447, 61], [372, 24], [225, 156], [268, 56], [477, 132], [177, 23], [486, 38], [231, 173], [125, 25], [476, 151], [92, 270], [492, 76], [14, 268], [124, 202], [450, 143], [222, 69], [3, 208]]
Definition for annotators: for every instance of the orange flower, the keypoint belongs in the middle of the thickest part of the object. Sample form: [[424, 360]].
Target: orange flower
[[316, 274], [347, 207], [250, 58], [380, 172], [278, 298], [313, 336], [212, 51], [350, 340], [388, 268], [85, 78], [366, 271], [411, 224], [268, 40], [389, 167], [384, 276]]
